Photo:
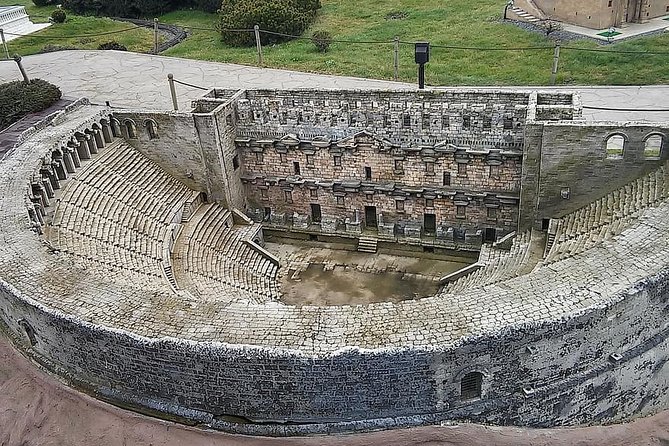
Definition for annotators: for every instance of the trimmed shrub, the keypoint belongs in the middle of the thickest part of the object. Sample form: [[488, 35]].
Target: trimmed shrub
[[52, 47], [95, 7], [58, 16], [322, 40], [207, 5], [290, 17], [122, 8], [113, 45], [19, 98]]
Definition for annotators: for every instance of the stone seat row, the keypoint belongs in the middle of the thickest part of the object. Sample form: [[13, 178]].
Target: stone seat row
[[499, 265], [215, 250], [155, 202], [100, 252], [609, 215], [111, 214], [83, 222], [133, 169]]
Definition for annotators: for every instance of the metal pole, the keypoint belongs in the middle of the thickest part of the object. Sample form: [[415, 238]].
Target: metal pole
[[17, 59], [173, 92], [556, 61], [4, 42], [421, 76], [396, 59], [256, 28], [155, 36]]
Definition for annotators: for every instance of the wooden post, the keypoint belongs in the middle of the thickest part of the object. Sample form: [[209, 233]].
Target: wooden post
[[556, 61], [155, 36], [17, 59], [396, 59], [4, 42], [256, 28], [173, 92]]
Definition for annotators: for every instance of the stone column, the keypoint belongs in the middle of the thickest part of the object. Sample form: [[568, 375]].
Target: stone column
[[107, 133], [84, 151], [75, 156], [91, 144], [68, 162], [48, 189], [48, 173], [59, 168], [40, 193], [99, 140]]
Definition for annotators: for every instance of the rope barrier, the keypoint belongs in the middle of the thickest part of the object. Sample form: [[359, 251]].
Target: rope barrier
[[190, 85], [627, 109], [364, 42], [73, 37]]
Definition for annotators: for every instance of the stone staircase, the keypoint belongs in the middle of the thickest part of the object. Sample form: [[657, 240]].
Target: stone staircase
[[367, 244], [524, 15]]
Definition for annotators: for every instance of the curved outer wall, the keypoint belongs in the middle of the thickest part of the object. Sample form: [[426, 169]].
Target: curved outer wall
[[567, 368]]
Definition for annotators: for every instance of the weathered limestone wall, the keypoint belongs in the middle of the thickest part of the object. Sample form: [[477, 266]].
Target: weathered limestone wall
[[565, 369], [174, 144], [230, 159], [433, 151], [574, 163], [477, 118]]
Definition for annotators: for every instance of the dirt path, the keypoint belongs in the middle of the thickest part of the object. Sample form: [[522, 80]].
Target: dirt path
[[36, 409]]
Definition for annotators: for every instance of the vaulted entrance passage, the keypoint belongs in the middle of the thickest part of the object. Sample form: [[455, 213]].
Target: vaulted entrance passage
[[430, 223], [370, 217], [316, 213]]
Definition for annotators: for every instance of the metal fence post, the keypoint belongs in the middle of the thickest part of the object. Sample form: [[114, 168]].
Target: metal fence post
[[173, 92], [4, 42], [556, 61], [155, 36], [256, 28], [17, 59], [396, 59]]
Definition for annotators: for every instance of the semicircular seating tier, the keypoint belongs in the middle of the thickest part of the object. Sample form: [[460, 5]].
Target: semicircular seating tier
[[106, 259]]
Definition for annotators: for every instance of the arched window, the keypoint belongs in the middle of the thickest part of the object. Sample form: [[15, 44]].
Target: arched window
[[470, 386], [615, 146], [151, 128], [130, 128], [653, 147]]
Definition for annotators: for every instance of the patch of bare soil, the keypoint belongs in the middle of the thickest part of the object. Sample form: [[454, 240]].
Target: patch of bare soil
[[36, 409]]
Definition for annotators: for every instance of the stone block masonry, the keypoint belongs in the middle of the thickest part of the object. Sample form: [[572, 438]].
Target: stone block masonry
[[580, 340]]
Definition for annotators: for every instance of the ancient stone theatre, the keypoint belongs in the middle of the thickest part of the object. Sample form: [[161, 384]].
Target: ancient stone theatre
[[162, 260]]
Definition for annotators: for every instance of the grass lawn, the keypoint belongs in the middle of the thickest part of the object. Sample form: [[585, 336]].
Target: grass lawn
[[75, 26], [454, 23]]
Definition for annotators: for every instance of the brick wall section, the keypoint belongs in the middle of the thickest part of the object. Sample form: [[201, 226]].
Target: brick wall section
[[574, 156], [408, 140]]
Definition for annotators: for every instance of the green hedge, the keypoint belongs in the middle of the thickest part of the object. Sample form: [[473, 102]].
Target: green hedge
[[19, 98], [290, 17], [147, 9]]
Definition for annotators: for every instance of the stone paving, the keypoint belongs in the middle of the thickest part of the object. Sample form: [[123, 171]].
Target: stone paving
[[140, 80], [121, 299]]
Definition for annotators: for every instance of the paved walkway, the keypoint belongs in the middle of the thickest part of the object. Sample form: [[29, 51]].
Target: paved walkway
[[626, 31], [140, 80]]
